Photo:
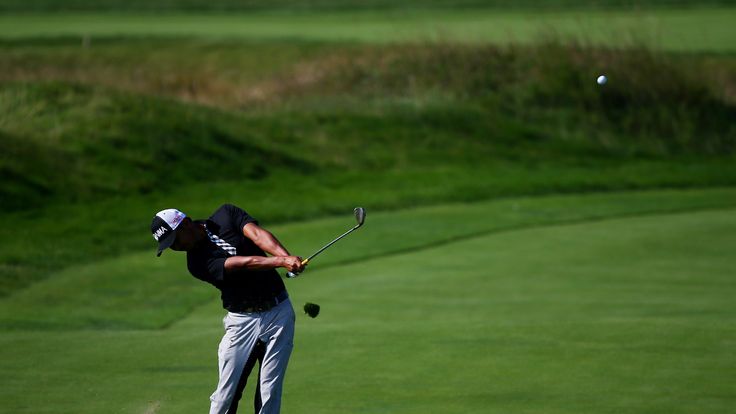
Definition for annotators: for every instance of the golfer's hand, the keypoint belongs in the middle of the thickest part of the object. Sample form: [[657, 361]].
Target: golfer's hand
[[293, 264]]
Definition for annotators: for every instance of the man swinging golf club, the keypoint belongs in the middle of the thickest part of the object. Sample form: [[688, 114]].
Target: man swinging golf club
[[229, 251]]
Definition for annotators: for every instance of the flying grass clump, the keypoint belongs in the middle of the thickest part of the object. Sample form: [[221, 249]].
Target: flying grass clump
[[311, 309]]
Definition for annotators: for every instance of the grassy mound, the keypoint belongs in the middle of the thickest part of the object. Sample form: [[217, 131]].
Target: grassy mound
[[360, 109], [653, 104], [387, 127], [71, 143]]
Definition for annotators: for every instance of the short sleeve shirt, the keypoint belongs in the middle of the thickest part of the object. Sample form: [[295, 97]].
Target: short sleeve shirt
[[241, 287]]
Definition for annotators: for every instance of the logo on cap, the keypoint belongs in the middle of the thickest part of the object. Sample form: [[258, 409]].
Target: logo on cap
[[160, 232]]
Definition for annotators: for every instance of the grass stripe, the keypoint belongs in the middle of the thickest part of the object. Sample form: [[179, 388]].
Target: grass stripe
[[699, 29]]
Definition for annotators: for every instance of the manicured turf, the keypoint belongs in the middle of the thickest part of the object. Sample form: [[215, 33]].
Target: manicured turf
[[698, 29], [131, 290], [628, 314]]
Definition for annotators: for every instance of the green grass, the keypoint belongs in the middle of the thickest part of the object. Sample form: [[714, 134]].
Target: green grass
[[699, 29], [132, 290], [396, 108], [393, 127], [191, 69], [629, 314], [506, 264], [291, 6]]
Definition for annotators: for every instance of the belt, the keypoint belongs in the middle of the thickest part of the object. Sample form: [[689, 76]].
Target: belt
[[260, 305]]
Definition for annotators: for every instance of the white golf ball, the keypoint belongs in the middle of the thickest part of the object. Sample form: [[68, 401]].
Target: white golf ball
[[602, 80]]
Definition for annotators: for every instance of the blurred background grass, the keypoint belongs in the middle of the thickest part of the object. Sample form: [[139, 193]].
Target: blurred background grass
[[322, 5], [672, 29]]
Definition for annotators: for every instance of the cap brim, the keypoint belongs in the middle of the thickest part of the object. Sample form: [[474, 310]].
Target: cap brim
[[166, 242]]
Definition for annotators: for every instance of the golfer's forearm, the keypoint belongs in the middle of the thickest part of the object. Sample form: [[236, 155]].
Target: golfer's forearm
[[269, 244], [265, 240], [254, 262]]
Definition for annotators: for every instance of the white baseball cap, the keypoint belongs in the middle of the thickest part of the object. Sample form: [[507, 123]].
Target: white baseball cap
[[163, 227]]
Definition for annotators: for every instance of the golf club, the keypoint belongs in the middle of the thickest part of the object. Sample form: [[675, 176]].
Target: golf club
[[359, 217]]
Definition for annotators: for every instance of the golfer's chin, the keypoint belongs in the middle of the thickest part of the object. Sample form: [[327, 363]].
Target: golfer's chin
[[180, 247], [184, 245]]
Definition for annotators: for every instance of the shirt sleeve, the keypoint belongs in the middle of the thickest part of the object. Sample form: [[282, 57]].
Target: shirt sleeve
[[216, 268], [239, 216], [208, 269]]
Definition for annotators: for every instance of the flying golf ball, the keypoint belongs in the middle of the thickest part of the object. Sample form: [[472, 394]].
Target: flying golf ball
[[602, 80]]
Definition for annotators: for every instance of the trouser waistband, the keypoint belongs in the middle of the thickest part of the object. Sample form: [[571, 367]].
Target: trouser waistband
[[260, 305]]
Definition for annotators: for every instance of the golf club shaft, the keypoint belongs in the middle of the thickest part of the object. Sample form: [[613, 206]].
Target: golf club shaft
[[305, 261], [328, 245]]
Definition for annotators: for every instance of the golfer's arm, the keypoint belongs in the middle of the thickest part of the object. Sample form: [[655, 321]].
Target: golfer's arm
[[254, 262], [265, 240]]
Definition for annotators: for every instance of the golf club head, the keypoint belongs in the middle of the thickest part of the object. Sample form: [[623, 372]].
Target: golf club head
[[359, 215]]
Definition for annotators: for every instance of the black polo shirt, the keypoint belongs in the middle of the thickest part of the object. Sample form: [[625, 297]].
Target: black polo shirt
[[239, 288]]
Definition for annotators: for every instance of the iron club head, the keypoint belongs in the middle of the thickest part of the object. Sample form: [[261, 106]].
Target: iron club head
[[359, 215]]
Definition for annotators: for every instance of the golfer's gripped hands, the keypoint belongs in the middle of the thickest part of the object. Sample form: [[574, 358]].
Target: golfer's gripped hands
[[293, 264]]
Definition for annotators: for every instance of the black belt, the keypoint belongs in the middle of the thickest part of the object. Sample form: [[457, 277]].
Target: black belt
[[259, 305]]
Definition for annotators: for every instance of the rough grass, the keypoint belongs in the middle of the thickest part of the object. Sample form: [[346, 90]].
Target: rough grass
[[114, 144], [654, 102], [224, 73], [383, 126]]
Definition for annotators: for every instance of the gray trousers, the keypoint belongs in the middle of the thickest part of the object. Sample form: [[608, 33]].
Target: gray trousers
[[263, 337]]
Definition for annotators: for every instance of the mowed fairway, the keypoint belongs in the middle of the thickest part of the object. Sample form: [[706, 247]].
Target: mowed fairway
[[614, 315], [690, 29]]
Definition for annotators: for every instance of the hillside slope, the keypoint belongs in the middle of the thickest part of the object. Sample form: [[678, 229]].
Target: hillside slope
[[387, 127], [398, 107]]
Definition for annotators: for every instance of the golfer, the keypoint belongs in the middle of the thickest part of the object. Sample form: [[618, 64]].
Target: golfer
[[229, 251]]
